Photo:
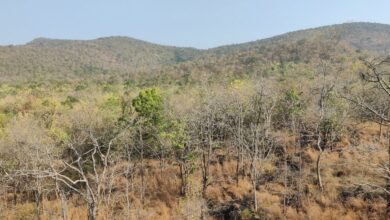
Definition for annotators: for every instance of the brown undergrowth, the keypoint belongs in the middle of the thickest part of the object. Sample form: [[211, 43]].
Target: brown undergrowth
[[283, 193]]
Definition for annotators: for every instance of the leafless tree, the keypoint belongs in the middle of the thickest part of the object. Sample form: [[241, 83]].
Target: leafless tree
[[376, 81], [207, 129], [238, 108], [87, 154], [258, 141]]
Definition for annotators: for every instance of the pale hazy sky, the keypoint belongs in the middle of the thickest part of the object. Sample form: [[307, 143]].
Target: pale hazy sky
[[196, 23]]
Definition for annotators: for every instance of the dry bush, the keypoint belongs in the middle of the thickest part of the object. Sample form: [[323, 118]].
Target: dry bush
[[367, 133], [309, 155], [238, 191], [343, 143], [356, 204], [215, 193], [25, 211], [269, 205], [164, 187], [293, 214], [313, 211], [228, 169], [324, 201], [190, 208]]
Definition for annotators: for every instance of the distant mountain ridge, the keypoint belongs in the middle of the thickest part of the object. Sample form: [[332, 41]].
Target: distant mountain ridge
[[370, 37], [125, 55]]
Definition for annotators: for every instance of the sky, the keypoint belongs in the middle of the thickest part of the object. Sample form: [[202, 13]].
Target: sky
[[190, 23]]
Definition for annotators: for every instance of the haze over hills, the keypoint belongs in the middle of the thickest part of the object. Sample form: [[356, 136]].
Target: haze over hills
[[123, 55]]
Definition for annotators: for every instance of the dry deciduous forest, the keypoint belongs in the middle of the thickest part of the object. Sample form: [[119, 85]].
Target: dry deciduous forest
[[291, 127]]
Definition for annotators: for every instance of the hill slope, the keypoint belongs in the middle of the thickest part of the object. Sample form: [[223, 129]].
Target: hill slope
[[101, 56], [370, 37], [63, 59]]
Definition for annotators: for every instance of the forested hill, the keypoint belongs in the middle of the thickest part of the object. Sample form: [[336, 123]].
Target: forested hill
[[369, 37], [61, 59], [109, 55]]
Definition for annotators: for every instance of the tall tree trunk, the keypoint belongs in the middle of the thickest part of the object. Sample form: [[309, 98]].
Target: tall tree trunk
[[142, 169], [62, 196], [129, 174], [91, 211], [380, 130], [64, 215], [254, 170], [206, 157], [318, 163], [162, 160], [128, 207], [38, 198], [318, 168], [239, 150], [319, 140], [183, 181], [254, 195], [388, 175], [285, 181], [204, 174], [15, 195], [91, 205], [299, 205], [237, 168]]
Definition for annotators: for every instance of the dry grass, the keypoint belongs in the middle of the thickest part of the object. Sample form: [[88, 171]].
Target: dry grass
[[269, 205], [341, 170]]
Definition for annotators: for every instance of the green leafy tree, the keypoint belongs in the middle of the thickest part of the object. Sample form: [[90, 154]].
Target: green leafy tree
[[331, 126], [149, 106], [184, 153], [290, 108], [149, 124]]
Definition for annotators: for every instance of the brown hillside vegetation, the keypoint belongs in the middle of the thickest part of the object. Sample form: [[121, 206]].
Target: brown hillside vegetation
[[345, 196], [124, 58], [291, 127]]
